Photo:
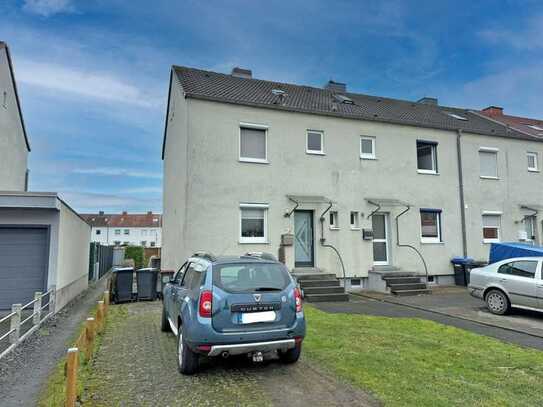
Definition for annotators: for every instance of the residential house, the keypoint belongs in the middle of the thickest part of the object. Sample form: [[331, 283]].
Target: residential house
[[44, 244], [336, 180], [132, 229]]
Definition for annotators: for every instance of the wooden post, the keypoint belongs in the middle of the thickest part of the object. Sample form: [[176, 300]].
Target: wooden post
[[15, 324], [90, 332], [100, 316], [106, 300], [71, 376], [37, 308]]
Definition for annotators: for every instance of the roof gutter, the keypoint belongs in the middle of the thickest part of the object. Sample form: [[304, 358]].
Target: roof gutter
[[461, 192]]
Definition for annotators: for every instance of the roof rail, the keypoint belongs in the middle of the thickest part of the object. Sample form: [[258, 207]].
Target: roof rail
[[261, 255], [205, 255]]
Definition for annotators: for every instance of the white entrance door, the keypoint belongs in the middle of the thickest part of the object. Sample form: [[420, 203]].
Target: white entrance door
[[380, 239]]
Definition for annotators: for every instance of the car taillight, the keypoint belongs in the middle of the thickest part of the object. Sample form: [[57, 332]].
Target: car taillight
[[298, 299], [205, 305]]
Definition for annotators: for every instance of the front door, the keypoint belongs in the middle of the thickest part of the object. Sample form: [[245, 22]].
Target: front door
[[379, 223], [303, 239]]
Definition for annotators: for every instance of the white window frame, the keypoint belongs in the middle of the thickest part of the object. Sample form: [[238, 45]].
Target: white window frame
[[334, 216], [366, 156], [244, 125], [439, 238], [490, 150], [117, 232], [315, 152], [251, 240], [356, 224], [434, 145], [492, 213], [536, 161]]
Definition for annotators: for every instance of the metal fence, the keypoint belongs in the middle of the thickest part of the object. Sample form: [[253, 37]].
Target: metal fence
[[23, 320], [100, 260]]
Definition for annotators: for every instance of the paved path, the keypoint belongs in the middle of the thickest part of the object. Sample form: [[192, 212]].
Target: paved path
[[368, 306], [25, 370], [136, 365]]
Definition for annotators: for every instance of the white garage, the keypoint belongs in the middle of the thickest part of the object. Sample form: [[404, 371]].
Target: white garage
[[43, 243]]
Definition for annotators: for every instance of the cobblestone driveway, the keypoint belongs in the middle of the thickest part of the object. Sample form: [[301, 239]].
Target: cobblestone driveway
[[136, 366]]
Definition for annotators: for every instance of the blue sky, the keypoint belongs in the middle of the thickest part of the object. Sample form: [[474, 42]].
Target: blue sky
[[93, 74]]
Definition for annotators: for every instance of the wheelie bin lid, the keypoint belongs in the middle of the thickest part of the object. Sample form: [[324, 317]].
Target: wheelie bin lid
[[462, 260]]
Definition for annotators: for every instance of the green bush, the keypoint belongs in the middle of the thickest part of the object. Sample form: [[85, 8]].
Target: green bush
[[135, 253]]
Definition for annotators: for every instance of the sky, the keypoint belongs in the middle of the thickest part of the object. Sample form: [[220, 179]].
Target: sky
[[93, 74]]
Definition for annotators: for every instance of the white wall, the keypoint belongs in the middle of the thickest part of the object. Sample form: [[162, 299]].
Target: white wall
[[13, 150], [135, 236]]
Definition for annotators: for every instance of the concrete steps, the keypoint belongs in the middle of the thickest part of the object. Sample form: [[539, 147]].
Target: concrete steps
[[318, 286], [405, 283]]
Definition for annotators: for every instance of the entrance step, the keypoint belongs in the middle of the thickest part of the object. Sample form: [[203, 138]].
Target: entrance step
[[410, 286], [340, 297], [402, 280], [402, 293], [313, 276], [305, 270], [319, 283], [324, 290], [405, 283]]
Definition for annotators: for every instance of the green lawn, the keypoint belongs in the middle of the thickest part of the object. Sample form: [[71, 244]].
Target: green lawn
[[422, 363]]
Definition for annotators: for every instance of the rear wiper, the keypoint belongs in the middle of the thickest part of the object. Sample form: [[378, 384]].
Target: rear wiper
[[268, 289]]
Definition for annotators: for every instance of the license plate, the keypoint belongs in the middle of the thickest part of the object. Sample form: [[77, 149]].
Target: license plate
[[253, 317]]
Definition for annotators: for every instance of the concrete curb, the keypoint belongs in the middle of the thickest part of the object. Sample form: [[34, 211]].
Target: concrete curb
[[447, 315]]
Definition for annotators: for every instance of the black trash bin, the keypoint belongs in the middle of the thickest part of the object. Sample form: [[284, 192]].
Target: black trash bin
[[122, 281], [461, 266], [146, 279]]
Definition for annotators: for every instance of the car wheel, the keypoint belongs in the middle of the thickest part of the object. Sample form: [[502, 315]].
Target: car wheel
[[187, 360], [164, 324], [497, 302], [291, 355]]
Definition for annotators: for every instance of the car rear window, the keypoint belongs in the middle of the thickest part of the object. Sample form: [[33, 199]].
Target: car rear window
[[249, 277]]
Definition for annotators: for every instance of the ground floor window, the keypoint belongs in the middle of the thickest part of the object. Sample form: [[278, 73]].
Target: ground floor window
[[253, 223], [430, 225], [491, 228]]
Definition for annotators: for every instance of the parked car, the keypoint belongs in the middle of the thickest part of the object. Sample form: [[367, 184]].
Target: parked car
[[509, 283], [222, 306]]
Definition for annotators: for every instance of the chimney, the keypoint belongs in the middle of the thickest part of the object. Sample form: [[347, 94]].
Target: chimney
[[242, 73], [149, 212], [428, 101], [125, 213], [493, 111], [335, 86], [101, 213]]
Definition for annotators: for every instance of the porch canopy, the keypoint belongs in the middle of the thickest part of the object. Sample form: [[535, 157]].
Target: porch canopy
[[385, 202], [307, 199]]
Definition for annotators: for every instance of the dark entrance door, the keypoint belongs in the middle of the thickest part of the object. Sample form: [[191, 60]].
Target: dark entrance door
[[303, 239]]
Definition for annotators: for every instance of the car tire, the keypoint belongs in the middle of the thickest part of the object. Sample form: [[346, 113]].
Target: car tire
[[187, 361], [291, 355], [497, 302], [164, 324]]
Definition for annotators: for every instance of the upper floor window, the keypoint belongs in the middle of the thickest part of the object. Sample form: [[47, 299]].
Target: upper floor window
[[253, 223], [427, 157], [430, 225], [126, 231], [532, 162], [523, 268], [488, 160], [253, 143], [314, 142], [491, 228], [98, 232], [117, 231], [144, 232], [367, 147]]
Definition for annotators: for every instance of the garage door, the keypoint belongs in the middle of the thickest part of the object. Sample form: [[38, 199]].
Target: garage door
[[23, 264]]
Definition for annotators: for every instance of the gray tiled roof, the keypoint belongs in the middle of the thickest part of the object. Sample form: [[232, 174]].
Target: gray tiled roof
[[207, 85]]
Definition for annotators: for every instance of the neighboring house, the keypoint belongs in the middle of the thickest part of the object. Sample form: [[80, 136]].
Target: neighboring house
[[43, 242], [132, 229], [250, 163], [14, 145]]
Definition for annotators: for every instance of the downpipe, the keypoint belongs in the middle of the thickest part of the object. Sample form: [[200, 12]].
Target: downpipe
[[323, 242], [407, 245]]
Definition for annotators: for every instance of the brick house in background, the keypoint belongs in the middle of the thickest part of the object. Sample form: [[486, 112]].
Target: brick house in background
[[133, 229]]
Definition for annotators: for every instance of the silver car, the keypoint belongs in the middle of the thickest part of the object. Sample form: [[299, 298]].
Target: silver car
[[509, 283]]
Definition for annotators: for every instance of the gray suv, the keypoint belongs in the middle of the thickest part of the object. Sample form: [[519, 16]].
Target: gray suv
[[222, 306]]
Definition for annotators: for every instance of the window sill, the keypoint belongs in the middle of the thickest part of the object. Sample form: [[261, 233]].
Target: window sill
[[363, 157], [253, 241], [488, 177], [315, 152], [427, 172], [253, 160], [422, 241], [532, 170], [334, 228], [489, 241], [354, 228]]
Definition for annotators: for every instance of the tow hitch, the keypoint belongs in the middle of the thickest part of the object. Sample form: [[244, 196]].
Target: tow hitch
[[258, 357]]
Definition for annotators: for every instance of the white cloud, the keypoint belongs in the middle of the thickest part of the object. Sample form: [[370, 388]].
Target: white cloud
[[121, 172], [87, 201], [48, 8], [528, 38], [96, 85]]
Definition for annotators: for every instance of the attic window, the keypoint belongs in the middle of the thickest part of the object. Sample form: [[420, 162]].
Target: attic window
[[457, 116], [533, 126], [343, 99]]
